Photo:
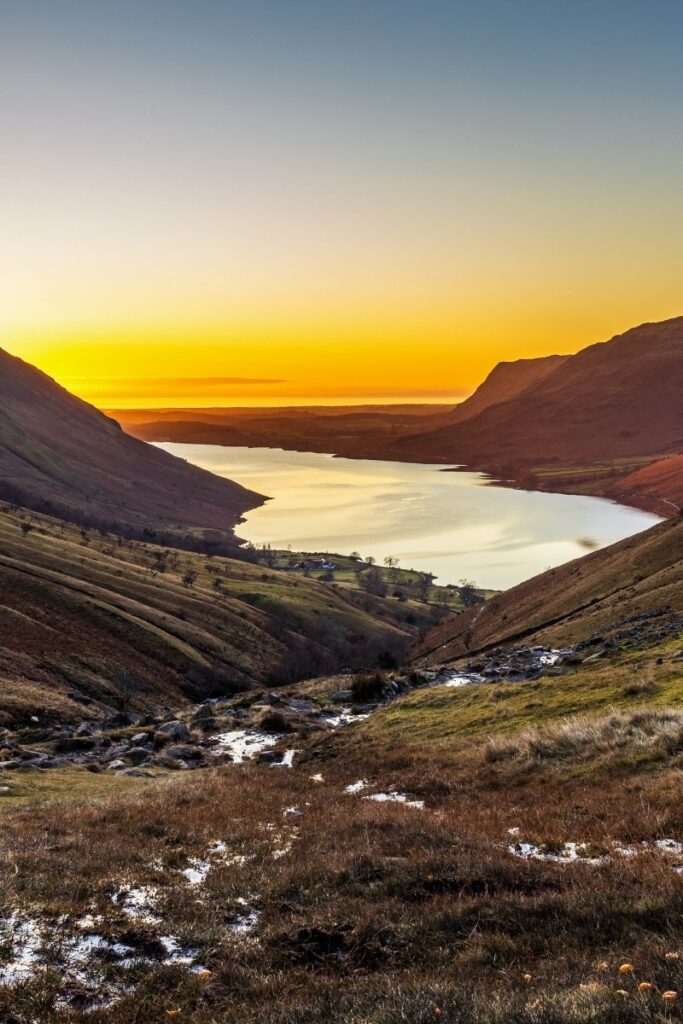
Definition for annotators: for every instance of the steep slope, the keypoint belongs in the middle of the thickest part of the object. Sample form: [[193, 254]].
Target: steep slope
[[82, 614], [659, 486], [60, 454], [506, 381], [615, 399], [638, 575]]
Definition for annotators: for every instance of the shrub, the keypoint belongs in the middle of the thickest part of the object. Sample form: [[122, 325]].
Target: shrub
[[367, 687], [275, 722]]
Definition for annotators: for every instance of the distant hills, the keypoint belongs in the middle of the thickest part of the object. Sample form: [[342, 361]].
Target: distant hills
[[615, 399], [60, 455], [505, 382], [582, 423]]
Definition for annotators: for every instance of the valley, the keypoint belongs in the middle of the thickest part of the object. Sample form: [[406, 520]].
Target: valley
[[392, 860], [565, 424], [264, 783]]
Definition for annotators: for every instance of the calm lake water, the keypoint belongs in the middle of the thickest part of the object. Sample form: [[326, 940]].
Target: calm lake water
[[452, 524]]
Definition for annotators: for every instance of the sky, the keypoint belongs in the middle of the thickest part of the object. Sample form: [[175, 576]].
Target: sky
[[284, 200]]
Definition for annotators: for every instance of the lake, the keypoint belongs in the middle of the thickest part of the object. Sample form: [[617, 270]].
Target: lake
[[453, 524]]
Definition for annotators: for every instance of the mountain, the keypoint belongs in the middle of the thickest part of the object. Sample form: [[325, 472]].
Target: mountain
[[658, 486], [506, 381], [613, 400], [59, 454], [640, 575]]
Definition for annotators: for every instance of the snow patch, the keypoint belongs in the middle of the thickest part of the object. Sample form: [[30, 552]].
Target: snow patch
[[242, 745], [395, 798]]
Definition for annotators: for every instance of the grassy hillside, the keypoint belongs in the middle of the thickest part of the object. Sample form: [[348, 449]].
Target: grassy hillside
[[539, 850], [506, 381], [615, 399], [641, 574], [659, 485], [91, 616], [61, 456]]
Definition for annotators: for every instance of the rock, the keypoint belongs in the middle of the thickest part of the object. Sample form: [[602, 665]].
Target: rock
[[140, 738], [137, 754], [79, 698], [119, 720], [678, 656], [268, 757], [225, 757], [115, 766], [304, 707], [175, 730], [183, 752], [173, 763], [273, 698], [84, 729], [342, 696], [135, 773], [8, 766]]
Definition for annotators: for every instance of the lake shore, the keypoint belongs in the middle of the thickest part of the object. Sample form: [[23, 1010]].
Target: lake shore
[[372, 432]]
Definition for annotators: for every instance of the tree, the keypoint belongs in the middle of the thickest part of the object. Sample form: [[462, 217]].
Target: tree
[[159, 562], [355, 555], [370, 560], [468, 593], [372, 582], [189, 578], [424, 585], [391, 562], [26, 528]]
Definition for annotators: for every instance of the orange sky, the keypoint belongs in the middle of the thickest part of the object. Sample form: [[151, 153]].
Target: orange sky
[[356, 201]]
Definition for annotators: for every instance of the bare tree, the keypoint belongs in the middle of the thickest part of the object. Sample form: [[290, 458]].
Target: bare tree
[[468, 593]]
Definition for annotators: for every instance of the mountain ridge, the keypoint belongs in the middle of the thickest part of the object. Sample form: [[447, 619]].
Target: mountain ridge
[[60, 454]]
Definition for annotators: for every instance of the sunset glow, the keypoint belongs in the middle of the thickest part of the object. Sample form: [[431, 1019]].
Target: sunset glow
[[357, 202]]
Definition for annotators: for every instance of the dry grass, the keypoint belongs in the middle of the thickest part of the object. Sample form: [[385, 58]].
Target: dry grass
[[657, 729], [377, 913]]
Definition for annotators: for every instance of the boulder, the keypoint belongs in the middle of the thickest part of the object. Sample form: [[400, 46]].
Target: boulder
[[268, 757], [342, 696], [175, 730], [183, 752], [137, 754], [115, 766]]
